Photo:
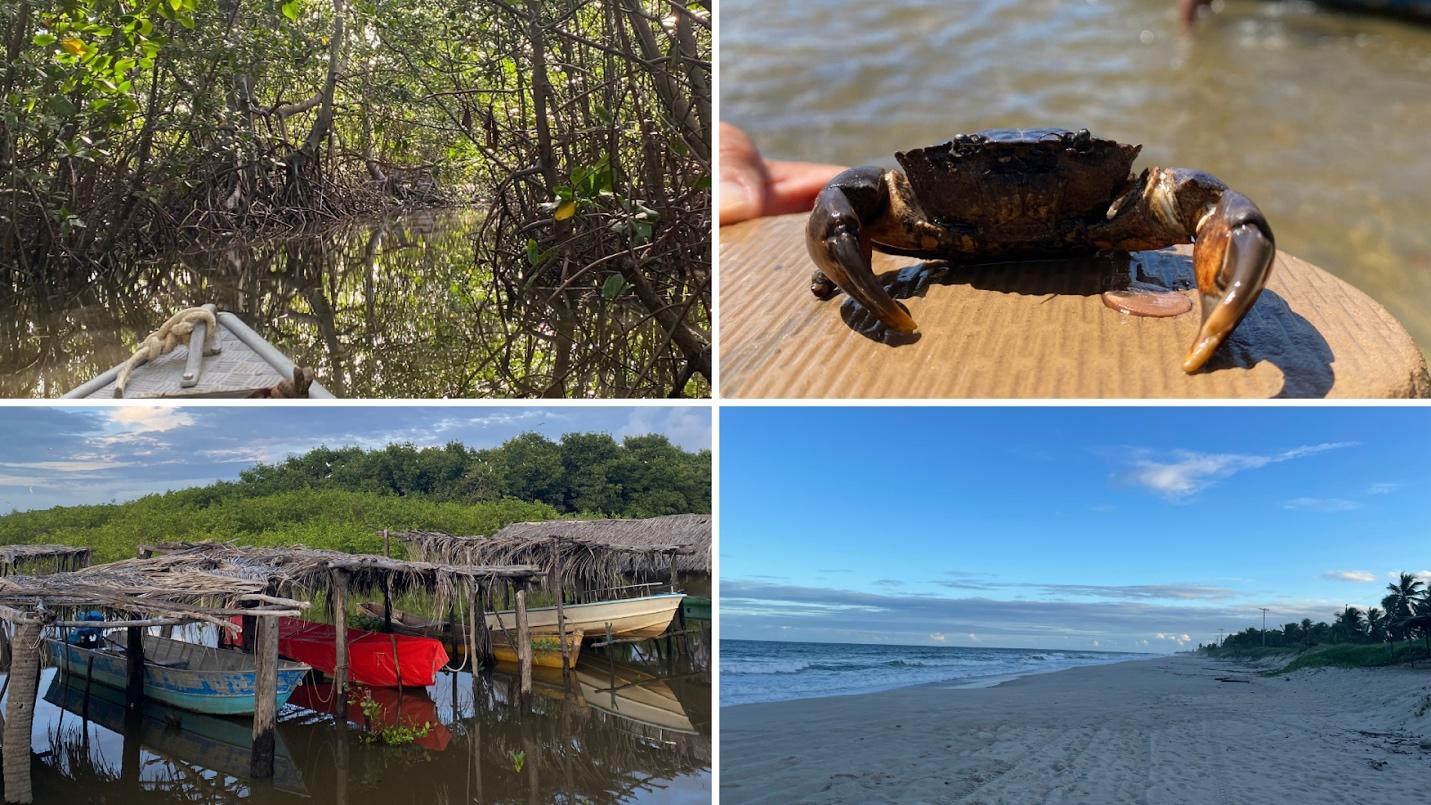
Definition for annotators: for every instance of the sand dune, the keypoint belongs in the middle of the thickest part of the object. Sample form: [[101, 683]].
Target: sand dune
[[1152, 731]]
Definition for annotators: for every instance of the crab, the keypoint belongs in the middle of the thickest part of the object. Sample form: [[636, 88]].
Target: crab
[[1012, 194]]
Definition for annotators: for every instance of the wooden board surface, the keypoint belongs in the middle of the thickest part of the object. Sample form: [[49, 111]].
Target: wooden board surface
[[1041, 330], [235, 372]]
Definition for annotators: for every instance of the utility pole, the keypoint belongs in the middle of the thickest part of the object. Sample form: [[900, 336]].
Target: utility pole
[[1219, 638], [1264, 626]]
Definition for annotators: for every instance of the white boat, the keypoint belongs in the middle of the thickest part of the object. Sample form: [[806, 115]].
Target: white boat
[[630, 618]]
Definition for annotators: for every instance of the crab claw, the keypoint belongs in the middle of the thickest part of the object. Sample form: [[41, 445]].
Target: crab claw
[[1232, 258], [838, 244]]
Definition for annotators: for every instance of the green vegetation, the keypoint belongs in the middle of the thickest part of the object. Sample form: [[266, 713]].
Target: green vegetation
[[581, 131], [1354, 639], [1352, 656], [340, 499], [392, 734]]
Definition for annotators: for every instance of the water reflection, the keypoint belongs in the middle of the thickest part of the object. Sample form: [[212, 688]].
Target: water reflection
[[1319, 116], [396, 308], [624, 729]]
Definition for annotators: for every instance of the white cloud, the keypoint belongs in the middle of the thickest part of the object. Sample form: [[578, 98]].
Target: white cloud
[[973, 637], [1384, 488], [67, 466], [937, 637], [1322, 504], [130, 422], [1180, 639], [1349, 575], [1189, 472]]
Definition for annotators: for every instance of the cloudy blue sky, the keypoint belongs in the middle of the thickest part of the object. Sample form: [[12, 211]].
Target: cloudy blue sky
[[53, 456], [1115, 528]]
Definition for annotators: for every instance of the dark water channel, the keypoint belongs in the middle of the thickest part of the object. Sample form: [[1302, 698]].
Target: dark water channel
[[1321, 117], [628, 728], [393, 308]]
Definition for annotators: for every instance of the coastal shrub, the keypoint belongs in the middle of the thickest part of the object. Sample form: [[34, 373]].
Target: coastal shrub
[[331, 519], [1352, 656]]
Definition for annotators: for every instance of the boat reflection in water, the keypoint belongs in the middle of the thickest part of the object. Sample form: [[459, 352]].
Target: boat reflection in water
[[176, 751], [620, 728]]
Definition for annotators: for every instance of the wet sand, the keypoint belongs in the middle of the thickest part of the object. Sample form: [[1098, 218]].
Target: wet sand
[[1162, 730]]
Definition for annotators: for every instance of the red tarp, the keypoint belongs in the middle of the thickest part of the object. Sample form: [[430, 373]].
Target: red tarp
[[370, 654]]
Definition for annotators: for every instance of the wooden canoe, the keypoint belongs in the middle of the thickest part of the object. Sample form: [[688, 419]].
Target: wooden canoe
[[245, 364], [203, 679]]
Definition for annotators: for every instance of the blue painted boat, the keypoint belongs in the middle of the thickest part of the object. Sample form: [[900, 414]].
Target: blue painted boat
[[203, 679]]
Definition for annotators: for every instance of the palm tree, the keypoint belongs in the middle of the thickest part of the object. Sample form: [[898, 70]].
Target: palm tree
[[1376, 625], [1349, 625], [1404, 598]]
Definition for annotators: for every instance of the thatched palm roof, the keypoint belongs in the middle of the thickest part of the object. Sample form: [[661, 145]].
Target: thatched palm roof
[[308, 571], [589, 550], [20, 558], [149, 588]]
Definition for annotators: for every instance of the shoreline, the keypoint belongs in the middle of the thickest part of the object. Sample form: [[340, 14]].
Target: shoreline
[[968, 683], [1167, 729]]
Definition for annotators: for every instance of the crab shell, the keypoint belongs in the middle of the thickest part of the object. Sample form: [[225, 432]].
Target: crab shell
[[1018, 186]]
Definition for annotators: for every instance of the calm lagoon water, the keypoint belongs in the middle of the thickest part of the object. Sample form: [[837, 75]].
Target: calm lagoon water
[[389, 308]]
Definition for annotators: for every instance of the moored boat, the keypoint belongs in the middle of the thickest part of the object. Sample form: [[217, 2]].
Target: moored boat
[[629, 618], [697, 607], [203, 679], [546, 650], [374, 659], [241, 363]]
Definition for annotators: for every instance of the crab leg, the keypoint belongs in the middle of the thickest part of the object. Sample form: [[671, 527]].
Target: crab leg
[[1232, 257], [838, 242]]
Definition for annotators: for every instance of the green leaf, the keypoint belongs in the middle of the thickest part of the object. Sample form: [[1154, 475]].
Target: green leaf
[[613, 287], [533, 255], [43, 40], [290, 10]]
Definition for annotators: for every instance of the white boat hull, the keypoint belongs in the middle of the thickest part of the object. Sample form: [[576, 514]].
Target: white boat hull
[[630, 618]]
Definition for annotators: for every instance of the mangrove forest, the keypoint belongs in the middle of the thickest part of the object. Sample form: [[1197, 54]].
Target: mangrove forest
[[416, 199]]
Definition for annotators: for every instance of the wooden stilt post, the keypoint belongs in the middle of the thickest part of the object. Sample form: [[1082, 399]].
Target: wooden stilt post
[[134, 666], [339, 586], [4, 646], [479, 619], [555, 584], [20, 712], [388, 604], [265, 712], [250, 625], [477, 648], [524, 637], [678, 622]]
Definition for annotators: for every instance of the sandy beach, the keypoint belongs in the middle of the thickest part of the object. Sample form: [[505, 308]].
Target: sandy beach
[[1162, 730]]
